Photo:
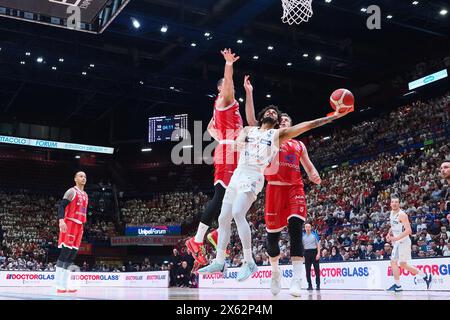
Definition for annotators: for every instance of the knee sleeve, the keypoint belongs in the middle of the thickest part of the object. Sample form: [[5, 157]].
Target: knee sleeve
[[212, 210], [295, 226], [273, 250], [70, 259], [64, 255]]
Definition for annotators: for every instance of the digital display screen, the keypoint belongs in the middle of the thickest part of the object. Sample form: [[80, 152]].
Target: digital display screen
[[428, 79], [162, 128], [57, 8]]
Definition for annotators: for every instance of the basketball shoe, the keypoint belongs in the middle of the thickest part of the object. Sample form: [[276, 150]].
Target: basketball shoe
[[197, 250]]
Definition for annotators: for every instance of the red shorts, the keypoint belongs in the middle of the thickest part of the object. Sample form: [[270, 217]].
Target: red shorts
[[225, 162], [223, 173], [72, 238], [283, 202]]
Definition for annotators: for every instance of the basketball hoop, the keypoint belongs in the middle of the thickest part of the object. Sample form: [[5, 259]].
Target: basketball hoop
[[296, 11]]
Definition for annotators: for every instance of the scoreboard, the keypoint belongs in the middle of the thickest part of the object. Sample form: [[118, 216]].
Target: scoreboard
[[162, 128]]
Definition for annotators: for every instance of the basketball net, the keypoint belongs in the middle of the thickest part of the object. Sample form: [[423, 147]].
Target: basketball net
[[296, 11]]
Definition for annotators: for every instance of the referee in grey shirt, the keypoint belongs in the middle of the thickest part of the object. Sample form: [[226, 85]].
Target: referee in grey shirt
[[311, 246]]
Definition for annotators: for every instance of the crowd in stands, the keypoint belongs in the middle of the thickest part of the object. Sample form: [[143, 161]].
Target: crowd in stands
[[418, 122], [164, 208]]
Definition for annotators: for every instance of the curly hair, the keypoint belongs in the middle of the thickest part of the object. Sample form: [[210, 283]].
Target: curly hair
[[263, 111]]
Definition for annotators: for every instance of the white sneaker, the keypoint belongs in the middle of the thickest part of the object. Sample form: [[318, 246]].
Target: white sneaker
[[275, 283], [296, 287]]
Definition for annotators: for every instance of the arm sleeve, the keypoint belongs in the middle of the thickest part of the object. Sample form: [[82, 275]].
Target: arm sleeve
[[68, 196]]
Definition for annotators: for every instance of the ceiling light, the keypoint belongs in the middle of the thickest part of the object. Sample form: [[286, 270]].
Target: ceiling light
[[240, 41], [318, 58], [164, 29]]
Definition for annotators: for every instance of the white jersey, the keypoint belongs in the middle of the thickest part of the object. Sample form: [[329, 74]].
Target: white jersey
[[396, 225], [259, 149]]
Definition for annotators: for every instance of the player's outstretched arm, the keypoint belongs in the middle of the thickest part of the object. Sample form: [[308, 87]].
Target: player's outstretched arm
[[228, 84], [249, 103], [212, 131], [310, 169], [298, 129], [403, 217]]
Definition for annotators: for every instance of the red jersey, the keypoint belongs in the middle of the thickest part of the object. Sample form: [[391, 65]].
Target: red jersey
[[228, 125], [76, 210], [286, 165], [228, 121]]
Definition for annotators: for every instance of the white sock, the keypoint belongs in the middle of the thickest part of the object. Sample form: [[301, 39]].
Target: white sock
[[68, 282], [397, 282], [297, 267], [220, 258], [201, 231], [58, 277], [248, 256], [275, 266], [64, 279]]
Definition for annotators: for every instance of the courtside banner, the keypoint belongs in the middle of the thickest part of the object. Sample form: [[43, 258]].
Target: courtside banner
[[370, 275], [155, 279], [55, 145], [145, 241]]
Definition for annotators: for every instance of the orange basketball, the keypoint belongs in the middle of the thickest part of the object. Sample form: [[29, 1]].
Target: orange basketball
[[342, 99]]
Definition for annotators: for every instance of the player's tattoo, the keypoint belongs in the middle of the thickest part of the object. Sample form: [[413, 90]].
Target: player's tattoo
[[320, 122]]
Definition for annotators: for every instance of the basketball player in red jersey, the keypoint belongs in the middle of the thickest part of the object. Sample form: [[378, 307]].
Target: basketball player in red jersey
[[224, 127], [286, 205], [71, 216]]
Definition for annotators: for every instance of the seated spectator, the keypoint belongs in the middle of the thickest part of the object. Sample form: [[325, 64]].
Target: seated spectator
[[183, 276]]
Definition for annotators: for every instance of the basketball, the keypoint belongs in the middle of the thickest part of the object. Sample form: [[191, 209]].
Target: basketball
[[342, 99]]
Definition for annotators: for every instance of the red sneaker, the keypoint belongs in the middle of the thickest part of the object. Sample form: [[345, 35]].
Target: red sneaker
[[61, 291], [213, 238], [72, 290], [197, 250]]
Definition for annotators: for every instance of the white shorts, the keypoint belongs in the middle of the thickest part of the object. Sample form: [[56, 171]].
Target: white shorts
[[401, 251], [244, 180]]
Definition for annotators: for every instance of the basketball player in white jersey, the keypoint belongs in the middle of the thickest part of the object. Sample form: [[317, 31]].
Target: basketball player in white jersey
[[401, 253], [258, 146]]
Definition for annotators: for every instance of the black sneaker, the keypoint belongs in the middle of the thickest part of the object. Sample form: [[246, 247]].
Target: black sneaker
[[427, 280], [395, 288], [318, 288], [309, 287]]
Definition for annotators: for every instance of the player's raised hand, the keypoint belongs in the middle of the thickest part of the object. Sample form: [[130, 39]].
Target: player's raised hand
[[229, 56], [338, 114], [62, 226], [247, 84]]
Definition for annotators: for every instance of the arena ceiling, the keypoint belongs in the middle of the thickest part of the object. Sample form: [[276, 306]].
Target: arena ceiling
[[105, 86]]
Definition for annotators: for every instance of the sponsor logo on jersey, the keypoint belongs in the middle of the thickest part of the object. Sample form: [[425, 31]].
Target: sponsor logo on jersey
[[266, 142], [290, 158]]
